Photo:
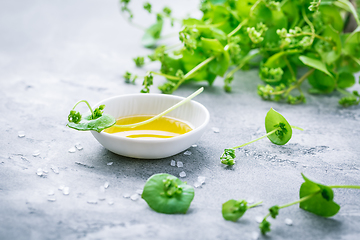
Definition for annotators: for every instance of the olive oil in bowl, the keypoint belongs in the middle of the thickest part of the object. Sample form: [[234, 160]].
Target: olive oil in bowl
[[164, 127]]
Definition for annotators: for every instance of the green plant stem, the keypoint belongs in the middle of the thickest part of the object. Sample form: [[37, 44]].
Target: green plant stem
[[192, 71], [298, 83], [349, 7], [254, 6], [289, 67], [165, 75], [345, 186], [269, 133], [255, 204], [245, 21], [300, 200], [295, 127], [306, 19], [182, 102], [310, 34], [210, 25], [355, 59], [84, 101], [246, 59], [295, 202]]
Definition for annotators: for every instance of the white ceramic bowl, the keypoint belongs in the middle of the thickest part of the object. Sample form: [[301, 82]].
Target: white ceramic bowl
[[152, 104]]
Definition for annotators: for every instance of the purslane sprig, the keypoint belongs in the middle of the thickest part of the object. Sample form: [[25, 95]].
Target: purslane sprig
[[165, 193], [97, 120], [278, 131], [314, 197], [288, 36]]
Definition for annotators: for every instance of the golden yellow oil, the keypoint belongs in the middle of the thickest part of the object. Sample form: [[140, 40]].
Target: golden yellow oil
[[164, 127]]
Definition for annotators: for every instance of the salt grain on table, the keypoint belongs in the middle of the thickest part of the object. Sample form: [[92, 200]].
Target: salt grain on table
[[36, 153], [66, 190], [134, 197], [78, 146], [72, 150], [21, 134], [187, 153], [215, 130], [288, 222], [173, 163]]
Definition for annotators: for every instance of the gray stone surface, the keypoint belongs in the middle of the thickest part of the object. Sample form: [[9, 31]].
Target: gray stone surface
[[54, 53]]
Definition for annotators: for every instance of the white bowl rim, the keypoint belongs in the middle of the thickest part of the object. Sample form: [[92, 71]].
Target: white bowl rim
[[160, 140]]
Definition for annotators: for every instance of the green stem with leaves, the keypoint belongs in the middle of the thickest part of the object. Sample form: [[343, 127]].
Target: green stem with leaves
[[189, 74], [268, 134], [245, 21], [296, 85], [84, 101]]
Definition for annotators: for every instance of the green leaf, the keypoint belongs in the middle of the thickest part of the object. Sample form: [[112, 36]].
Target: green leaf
[[243, 7], [190, 61], [264, 226], [165, 193], [98, 124], [330, 15], [217, 1], [274, 211], [346, 80], [276, 60], [322, 82], [152, 34], [352, 44], [221, 62], [315, 63], [171, 63], [321, 203], [329, 51], [232, 210], [275, 120]]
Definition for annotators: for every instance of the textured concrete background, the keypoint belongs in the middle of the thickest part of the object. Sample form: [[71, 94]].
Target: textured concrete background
[[54, 53]]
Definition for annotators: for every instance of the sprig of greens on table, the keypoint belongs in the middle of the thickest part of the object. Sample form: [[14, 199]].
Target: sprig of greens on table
[[97, 120], [278, 131], [165, 193], [314, 197], [278, 37]]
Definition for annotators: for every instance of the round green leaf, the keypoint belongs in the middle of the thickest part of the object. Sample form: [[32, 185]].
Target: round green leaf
[[274, 120], [152, 34], [329, 51], [346, 80], [330, 15], [322, 203], [98, 124], [232, 210], [156, 195], [322, 82]]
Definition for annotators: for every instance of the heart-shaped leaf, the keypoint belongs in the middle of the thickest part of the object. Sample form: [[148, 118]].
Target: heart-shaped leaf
[[165, 193], [321, 203]]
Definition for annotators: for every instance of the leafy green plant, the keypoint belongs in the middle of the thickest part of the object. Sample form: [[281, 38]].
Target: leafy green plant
[[232, 210], [279, 132], [98, 121], [279, 37], [314, 197], [165, 193]]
